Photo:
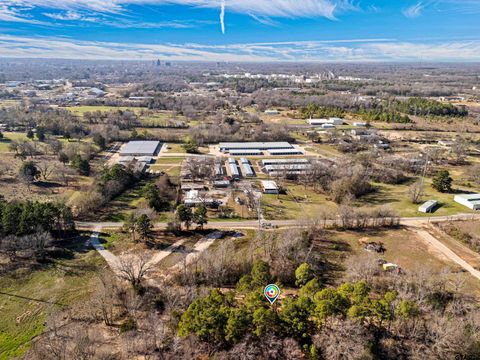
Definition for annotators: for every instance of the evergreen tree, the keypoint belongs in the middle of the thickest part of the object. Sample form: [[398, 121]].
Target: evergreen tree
[[144, 227], [442, 181], [100, 141], [81, 165], [184, 215], [303, 274], [150, 192], [200, 216]]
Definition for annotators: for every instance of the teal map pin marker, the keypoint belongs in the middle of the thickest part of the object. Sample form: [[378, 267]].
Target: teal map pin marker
[[271, 292]]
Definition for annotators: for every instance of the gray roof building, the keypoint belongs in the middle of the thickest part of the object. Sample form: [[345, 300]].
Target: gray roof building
[[141, 148]]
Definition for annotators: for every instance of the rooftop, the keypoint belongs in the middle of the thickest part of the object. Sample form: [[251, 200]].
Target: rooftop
[[255, 145], [473, 198], [141, 148], [269, 184]]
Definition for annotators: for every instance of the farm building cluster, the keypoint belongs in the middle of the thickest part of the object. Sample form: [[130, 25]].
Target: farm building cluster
[[138, 155]]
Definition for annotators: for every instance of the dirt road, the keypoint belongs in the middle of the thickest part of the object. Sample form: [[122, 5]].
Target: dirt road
[[444, 250]]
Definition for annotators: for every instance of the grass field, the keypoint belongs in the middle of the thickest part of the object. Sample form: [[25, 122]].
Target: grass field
[[300, 202], [8, 137], [404, 248], [296, 204], [80, 110], [26, 299], [170, 170], [160, 118], [119, 208], [131, 200], [396, 196], [174, 148]]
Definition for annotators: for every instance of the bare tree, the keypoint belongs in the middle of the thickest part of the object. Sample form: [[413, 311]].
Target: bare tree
[[416, 192], [133, 269], [45, 168]]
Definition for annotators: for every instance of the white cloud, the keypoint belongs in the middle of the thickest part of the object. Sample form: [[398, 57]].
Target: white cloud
[[222, 16], [360, 50], [258, 9], [14, 14], [414, 10]]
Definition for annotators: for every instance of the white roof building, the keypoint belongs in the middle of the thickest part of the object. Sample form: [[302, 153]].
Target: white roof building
[[360, 124], [428, 207], [336, 121], [317, 122], [269, 187], [272, 112], [471, 201]]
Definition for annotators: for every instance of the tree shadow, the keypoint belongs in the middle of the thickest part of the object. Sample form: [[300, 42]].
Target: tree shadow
[[47, 184]]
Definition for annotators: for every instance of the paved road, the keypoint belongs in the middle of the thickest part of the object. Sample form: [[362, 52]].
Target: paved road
[[112, 261], [416, 225], [253, 224]]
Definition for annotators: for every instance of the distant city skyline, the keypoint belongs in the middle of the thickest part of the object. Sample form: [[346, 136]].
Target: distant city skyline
[[242, 30]]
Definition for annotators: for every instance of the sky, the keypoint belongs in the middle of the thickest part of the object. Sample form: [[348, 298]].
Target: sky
[[243, 30]]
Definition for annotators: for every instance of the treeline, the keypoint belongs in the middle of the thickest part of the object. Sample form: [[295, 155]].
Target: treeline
[[381, 114], [226, 319], [426, 107], [24, 218], [112, 182], [317, 111], [54, 121]]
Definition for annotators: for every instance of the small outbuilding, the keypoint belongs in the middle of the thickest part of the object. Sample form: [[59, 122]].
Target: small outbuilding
[[428, 207], [272, 112], [360, 124]]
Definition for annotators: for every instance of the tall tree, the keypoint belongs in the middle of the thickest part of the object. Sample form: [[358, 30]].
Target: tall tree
[[29, 172], [144, 227], [200, 216], [442, 181], [184, 215]]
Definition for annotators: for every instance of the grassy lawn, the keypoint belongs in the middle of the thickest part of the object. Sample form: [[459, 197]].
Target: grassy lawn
[[170, 170], [296, 204], [169, 161], [396, 196], [129, 201], [324, 150], [174, 148], [8, 137], [119, 208], [160, 118], [26, 299]]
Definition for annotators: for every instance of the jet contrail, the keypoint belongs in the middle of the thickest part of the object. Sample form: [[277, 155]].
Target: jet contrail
[[222, 16]]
